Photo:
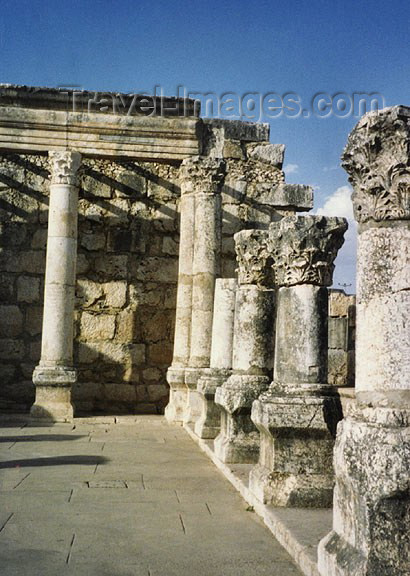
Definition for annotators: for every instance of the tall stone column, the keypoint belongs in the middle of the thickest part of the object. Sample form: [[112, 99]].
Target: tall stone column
[[252, 362], [371, 516], [199, 253], [298, 414], [209, 423], [175, 410], [55, 374], [208, 179]]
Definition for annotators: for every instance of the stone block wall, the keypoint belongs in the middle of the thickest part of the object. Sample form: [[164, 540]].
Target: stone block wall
[[341, 338]]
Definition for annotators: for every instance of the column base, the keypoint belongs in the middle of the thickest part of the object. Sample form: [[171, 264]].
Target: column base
[[193, 406], [53, 393], [238, 440], [296, 437], [371, 514], [208, 425], [178, 395]]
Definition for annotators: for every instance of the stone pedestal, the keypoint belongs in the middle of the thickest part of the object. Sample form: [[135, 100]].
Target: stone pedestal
[[55, 374], [252, 362], [209, 423], [371, 515], [297, 416]]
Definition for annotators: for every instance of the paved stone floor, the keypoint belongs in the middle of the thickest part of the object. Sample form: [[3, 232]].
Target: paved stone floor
[[132, 498]]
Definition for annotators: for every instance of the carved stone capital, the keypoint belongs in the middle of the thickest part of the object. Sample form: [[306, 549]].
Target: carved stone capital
[[64, 167], [202, 174], [253, 258], [377, 159], [303, 249]]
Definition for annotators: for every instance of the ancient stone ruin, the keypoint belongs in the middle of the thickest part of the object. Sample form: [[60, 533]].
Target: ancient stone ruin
[[158, 262]]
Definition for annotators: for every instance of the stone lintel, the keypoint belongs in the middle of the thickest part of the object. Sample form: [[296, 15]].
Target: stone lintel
[[30, 130], [296, 197], [239, 130], [62, 98]]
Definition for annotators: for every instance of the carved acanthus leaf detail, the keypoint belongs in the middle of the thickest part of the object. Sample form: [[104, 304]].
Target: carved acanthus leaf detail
[[202, 174], [64, 167], [377, 159], [254, 260], [303, 249]]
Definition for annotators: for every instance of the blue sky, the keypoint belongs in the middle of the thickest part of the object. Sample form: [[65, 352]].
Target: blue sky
[[220, 46]]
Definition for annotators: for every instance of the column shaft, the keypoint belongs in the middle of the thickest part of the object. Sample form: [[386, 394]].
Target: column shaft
[[209, 423], [371, 514], [55, 373]]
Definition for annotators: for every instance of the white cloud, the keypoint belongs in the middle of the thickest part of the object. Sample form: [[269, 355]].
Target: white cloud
[[340, 204], [291, 168]]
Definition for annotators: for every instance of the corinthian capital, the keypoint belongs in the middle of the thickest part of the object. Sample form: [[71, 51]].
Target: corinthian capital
[[377, 159], [303, 249], [64, 167], [253, 257], [202, 174]]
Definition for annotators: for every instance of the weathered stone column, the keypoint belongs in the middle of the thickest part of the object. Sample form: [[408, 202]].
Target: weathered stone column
[[371, 516], [207, 177], [252, 362], [298, 414], [209, 423], [55, 374], [175, 410]]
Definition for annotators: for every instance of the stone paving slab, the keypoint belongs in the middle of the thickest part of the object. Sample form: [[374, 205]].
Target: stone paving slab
[[126, 496]]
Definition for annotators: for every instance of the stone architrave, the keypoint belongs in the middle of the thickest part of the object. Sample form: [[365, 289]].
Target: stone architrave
[[371, 515], [252, 361], [209, 423], [199, 256], [298, 414], [55, 374]]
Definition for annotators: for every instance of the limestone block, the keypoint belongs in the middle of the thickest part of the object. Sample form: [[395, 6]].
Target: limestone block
[[340, 304], [160, 353], [151, 374], [93, 185], [97, 327], [92, 240], [115, 294], [170, 246], [20, 207], [11, 321], [115, 266], [6, 287], [157, 392], [126, 326], [337, 330], [35, 350], [87, 352], [28, 289], [154, 269], [33, 262], [39, 239], [233, 149], [119, 240], [89, 292], [267, 152], [83, 264], [338, 369]]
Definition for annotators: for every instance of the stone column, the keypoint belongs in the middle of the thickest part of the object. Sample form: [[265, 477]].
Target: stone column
[[175, 410], [371, 516], [207, 176], [55, 374], [298, 414], [252, 362], [199, 253], [209, 423]]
